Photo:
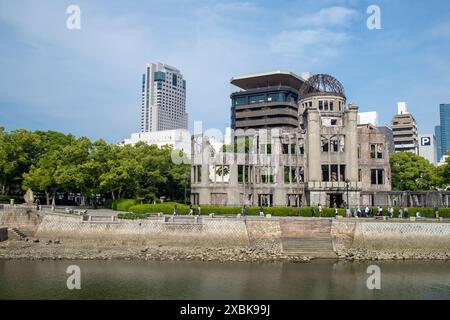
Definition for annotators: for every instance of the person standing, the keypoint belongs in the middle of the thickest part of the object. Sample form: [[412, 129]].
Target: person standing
[[400, 213], [359, 211], [191, 210], [261, 211], [313, 212], [199, 210], [405, 213], [380, 211], [436, 212], [366, 212], [320, 210], [355, 213], [244, 211], [349, 214], [175, 210], [336, 211]]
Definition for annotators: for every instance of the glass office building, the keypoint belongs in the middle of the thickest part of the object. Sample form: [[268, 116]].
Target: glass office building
[[443, 136]]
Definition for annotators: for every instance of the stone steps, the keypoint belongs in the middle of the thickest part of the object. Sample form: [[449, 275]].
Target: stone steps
[[307, 238], [18, 233]]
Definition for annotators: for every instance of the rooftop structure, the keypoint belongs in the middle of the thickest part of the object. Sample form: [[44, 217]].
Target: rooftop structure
[[266, 100]]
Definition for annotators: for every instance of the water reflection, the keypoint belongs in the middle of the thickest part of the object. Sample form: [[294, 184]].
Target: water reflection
[[321, 279]]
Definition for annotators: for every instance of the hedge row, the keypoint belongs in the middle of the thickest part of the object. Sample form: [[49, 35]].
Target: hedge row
[[6, 199], [120, 205], [168, 208], [133, 216]]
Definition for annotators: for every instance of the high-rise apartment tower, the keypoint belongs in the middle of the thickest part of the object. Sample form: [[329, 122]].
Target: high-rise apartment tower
[[163, 98]]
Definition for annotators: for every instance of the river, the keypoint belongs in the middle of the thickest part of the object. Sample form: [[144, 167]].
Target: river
[[320, 279]]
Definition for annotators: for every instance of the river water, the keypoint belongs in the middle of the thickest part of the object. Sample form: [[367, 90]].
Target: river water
[[320, 279]]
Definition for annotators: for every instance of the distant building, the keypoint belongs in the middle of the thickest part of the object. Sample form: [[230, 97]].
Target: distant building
[[443, 130], [443, 161], [404, 130], [389, 138], [178, 139], [163, 99], [437, 133], [368, 118], [428, 148]]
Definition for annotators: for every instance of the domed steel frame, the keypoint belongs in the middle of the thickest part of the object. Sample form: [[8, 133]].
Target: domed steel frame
[[322, 83]]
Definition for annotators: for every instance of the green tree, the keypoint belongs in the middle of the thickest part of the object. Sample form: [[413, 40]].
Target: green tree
[[412, 172]]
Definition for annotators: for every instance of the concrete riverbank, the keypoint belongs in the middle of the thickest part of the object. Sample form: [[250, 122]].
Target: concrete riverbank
[[63, 236]]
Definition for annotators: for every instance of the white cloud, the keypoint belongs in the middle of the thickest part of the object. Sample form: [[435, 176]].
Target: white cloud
[[308, 44], [327, 17]]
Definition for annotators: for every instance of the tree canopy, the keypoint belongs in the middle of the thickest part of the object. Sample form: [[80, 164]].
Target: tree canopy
[[412, 172], [52, 162]]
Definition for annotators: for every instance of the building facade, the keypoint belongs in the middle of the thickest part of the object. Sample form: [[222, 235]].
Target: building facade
[[178, 139], [368, 118], [326, 159], [428, 148], [404, 130], [444, 129], [265, 100], [163, 99], [437, 133]]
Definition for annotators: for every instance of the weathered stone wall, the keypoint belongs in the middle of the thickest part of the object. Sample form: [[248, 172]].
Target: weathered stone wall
[[264, 234], [401, 235], [3, 234], [212, 232], [342, 233], [27, 219]]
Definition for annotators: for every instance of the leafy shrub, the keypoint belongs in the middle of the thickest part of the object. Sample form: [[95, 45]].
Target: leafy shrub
[[122, 204], [166, 208], [109, 203], [133, 216]]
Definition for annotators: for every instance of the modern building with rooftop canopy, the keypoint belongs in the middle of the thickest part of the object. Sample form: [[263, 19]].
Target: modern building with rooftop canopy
[[265, 100]]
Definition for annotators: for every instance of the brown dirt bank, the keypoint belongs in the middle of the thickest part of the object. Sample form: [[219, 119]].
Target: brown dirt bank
[[55, 250], [29, 250]]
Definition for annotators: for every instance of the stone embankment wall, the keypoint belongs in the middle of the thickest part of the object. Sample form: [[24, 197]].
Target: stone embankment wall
[[263, 233], [211, 232], [25, 218], [395, 235]]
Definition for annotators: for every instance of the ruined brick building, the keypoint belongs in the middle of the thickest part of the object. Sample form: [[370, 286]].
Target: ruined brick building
[[296, 143]]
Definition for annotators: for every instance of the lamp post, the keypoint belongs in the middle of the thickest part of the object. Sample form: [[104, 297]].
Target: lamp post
[[347, 185]]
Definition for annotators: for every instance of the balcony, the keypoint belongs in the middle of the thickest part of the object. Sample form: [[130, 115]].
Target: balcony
[[266, 104], [272, 121], [264, 113]]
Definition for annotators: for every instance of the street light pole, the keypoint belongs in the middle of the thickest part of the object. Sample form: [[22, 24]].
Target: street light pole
[[347, 182]]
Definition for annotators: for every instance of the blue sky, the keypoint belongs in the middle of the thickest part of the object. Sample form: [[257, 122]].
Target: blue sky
[[87, 82]]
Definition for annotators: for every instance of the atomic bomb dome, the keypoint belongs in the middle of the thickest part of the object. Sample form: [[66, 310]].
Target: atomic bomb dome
[[320, 84]]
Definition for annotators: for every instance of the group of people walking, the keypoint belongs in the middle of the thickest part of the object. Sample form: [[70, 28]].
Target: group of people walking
[[371, 212], [356, 212]]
